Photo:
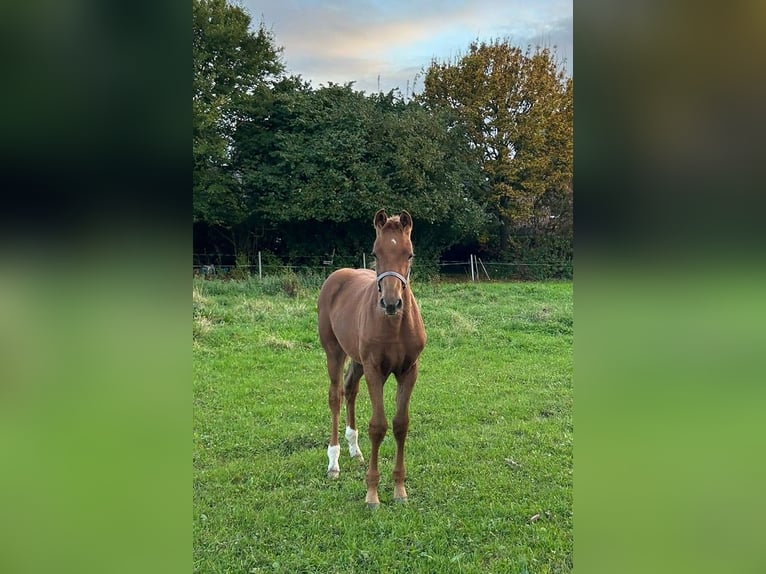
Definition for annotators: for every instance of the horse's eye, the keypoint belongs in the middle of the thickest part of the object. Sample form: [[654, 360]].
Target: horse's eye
[[373, 254], [411, 256]]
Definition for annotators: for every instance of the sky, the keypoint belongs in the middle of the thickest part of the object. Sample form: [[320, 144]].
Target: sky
[[382, 45]]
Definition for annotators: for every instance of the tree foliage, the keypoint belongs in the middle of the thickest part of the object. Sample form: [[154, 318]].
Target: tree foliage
[[517, 109], [329, 156], [231, 70], [482, 158]]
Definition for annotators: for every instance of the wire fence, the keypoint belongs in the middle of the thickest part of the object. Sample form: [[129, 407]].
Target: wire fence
[[474, 269]]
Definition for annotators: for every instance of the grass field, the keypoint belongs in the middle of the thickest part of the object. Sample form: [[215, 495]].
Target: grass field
[[489, 453]]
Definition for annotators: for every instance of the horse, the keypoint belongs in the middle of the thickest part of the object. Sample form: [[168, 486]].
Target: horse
[[372, 318]]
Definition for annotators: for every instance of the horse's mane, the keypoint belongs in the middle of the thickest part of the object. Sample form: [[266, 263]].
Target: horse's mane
[[393, 221]]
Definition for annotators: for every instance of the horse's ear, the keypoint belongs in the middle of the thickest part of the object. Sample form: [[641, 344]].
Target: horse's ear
[[406, 220], [380, 219]]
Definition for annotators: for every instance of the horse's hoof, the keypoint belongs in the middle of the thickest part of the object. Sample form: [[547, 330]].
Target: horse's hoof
[[373, 505], [334, 474], [358, 458], [400, 499]]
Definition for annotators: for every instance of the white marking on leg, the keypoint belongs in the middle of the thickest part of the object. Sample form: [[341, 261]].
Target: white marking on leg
[[333, 453], [393, 241], [353, 446]]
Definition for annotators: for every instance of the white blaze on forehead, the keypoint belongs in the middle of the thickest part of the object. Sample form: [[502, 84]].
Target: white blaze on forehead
[[393, 241]]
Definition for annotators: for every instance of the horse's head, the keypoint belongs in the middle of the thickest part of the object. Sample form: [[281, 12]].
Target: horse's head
[[393, 255]]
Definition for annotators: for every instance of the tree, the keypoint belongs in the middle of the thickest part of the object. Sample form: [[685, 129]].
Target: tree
[[330, 157], [232, 70], [517, 109]]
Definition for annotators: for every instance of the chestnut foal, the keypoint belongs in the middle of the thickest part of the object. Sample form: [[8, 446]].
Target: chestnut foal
[[374, 320]]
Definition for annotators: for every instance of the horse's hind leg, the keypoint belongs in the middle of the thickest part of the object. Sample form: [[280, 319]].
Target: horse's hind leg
[[405, 382], [351, 388], [335, 359]]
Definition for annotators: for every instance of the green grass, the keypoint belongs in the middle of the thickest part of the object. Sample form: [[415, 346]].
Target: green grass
[[490, 442]]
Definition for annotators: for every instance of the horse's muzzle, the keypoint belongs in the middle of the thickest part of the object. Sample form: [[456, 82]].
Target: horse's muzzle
[[389, 308]]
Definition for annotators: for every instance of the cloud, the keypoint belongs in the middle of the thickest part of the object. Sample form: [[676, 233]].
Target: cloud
[[349, 40]]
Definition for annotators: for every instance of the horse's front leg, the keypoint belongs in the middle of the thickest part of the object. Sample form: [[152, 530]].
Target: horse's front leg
[[377, 430], [405, 382]]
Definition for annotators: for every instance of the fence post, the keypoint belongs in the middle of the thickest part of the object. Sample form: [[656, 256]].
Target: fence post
[[483, 267], [364, 261], [260, 271], [470, 261]]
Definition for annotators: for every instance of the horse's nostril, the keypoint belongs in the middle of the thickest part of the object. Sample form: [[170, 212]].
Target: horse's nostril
[[399, 304], [382, 303]]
